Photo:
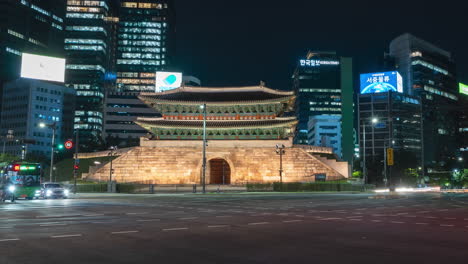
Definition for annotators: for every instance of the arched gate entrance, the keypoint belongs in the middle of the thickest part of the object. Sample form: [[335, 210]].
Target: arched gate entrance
[[220, 172]]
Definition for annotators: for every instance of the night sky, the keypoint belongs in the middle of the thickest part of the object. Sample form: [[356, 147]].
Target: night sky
[[241, 42]]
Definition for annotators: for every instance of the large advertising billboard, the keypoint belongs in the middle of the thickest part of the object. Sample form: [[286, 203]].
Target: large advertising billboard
[[463, 88], [381, 82], [168, 80], [43, 68]]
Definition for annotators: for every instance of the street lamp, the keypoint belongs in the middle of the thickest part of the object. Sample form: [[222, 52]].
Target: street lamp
[[374, 120], [52, 126], [203, 107], [112, 153], [280, 151]]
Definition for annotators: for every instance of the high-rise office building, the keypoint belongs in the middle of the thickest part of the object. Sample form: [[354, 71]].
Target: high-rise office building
[[429, 72], [325, 131], [324, 86], [145, 40], [121, 111], [87, 52], [26, 104], [31, 26]]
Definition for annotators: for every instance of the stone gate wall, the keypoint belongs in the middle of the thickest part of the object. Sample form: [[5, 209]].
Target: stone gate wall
[[182, 165]]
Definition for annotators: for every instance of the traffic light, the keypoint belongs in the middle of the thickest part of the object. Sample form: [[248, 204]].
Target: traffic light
[[60, 146], [76, 167]]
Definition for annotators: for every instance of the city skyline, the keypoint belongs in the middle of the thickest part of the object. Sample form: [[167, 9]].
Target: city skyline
[[238, 48]]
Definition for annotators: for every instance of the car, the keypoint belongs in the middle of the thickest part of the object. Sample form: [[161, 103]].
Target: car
[[53, 190]]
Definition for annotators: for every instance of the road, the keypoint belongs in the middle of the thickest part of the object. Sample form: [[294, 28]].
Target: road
[[236, 228]]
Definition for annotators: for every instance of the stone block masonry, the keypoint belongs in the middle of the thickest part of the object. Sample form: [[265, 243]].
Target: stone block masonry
[[183, 165]]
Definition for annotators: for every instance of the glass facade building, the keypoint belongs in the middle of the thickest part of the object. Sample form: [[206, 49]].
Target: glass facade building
[[87, 53], [429, 72], [324, 86], [144, 43], [31, 26]]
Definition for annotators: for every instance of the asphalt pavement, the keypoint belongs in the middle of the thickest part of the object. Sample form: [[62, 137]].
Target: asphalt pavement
[[236, 228]]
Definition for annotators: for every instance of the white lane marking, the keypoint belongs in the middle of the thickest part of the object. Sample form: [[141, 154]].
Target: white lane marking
[[65, 236], [124, 232], [49, 223], [137, 213], [447, 225], [55, 216], [175, 229], [148, 220], [422, 223], [101, 222], [187, 218], [9, 239], [331, 218], [90, 215], [358, 216], [53, 225], [397, 222], [292, 221], [430, 217], [6, 227], [402, 214], [223, 216], [217, 226], [259, 223], [422, 212]]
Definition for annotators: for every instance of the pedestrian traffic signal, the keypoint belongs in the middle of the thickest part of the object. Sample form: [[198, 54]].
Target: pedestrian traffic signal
[[76, 167]]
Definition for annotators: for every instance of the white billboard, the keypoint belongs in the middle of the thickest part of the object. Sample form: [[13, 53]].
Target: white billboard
[[42, 68], [168, 81]]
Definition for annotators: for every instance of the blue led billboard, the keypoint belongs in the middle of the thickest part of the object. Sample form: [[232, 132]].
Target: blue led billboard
[[381, 82]]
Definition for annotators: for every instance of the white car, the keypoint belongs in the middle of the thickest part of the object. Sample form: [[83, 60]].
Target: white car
[[53, 190]]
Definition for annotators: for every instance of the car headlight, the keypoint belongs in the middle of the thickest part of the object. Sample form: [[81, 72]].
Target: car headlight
[[49, 192], [11, 188], [66, 192]]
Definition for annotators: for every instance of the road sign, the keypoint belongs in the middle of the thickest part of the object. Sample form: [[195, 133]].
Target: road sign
[[390, 160], [69, 144], [380, 125]]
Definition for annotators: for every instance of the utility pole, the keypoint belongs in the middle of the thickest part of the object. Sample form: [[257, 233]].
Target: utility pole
[[8, 136], [53, 126], [204, 150], [75, 171], [364, 167]]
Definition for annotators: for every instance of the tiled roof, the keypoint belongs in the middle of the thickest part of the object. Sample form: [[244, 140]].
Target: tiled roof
[[203, 94], [160, 122]]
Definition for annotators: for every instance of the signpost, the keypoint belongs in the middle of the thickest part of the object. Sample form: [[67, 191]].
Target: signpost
[[390, 160], [69, 144]]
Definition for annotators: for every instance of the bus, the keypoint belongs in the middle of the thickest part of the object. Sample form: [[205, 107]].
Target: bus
[[25, 176]]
